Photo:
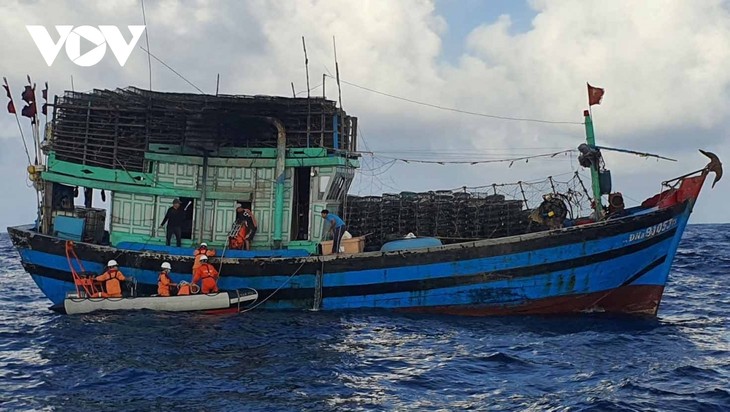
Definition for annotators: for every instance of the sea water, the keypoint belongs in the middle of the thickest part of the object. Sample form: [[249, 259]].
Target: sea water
[[375, 360]]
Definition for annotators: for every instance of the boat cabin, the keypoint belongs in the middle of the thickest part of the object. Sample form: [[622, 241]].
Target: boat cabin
[[286, 159]]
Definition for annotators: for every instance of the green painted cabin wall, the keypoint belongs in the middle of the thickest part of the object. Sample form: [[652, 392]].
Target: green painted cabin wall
[[136, 214], [139, 200]]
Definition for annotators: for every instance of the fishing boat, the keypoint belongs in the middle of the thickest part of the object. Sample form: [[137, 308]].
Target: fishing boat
[[287, 159]]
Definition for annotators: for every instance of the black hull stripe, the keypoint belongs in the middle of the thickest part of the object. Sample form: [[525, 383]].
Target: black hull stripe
[[265, 267], [644, 271], [468, 251], [436, 283], [508, 274]]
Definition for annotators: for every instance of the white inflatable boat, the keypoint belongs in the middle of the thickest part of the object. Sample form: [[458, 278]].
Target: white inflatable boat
[[232, 301]]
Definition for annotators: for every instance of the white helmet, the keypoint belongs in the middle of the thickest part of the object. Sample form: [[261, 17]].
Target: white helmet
[[166, 265], [204, 258], [112, 263], [203, 244]]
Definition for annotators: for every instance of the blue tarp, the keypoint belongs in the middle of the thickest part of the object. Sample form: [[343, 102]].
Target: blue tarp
[[69, 228], [407, 244]]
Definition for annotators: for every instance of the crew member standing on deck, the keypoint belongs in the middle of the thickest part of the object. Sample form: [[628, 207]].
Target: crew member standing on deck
[[208, 275], [201, 251], [245, 218], [163, 280], [337, 228], [112, 279], [251, 227], [175, 217], [239, 213]]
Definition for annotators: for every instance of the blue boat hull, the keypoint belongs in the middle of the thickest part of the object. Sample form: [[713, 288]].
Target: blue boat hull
[[617, 266]]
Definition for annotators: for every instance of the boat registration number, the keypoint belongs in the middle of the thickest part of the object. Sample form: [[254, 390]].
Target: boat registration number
[[653, 230]]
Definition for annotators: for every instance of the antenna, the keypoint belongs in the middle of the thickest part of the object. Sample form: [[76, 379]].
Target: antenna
[[337, 73], [309, 103], [147, 39], [339, 91], [217, 83], [293, 93], [324, 97]]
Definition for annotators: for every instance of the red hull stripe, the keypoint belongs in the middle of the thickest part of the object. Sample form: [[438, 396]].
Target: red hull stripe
[[639, 299]]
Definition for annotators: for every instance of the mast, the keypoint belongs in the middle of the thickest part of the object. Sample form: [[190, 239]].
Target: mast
[[595, 179]]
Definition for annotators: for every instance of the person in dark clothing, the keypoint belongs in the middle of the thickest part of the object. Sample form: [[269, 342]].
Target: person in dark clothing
[[175, 217], [239, 214], [244, 216], [251, 227]]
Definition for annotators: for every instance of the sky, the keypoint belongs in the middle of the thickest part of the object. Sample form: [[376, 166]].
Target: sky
[[663, 65]]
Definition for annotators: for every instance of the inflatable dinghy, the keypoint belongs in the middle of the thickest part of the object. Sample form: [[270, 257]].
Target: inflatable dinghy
[[233, 301]]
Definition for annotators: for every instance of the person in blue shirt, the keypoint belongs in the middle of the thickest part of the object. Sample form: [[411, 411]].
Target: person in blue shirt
[[337, 228]]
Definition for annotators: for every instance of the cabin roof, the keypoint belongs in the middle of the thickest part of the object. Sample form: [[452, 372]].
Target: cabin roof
[[109, 127]]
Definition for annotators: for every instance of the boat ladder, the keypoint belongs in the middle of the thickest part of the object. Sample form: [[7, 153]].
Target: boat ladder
[[235, 228], [81, 282]]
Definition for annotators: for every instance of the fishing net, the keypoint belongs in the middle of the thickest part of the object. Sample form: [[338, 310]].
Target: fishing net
[[466, 213]]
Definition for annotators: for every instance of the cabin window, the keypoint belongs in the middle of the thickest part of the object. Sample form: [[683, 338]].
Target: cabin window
[[338, 188], [324, 181]]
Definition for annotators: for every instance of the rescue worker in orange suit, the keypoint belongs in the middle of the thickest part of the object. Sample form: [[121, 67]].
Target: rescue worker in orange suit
[[163, 280], [208, 276], [112, 279], [245, 217], [251, 227], [201, 251], [238, 241]]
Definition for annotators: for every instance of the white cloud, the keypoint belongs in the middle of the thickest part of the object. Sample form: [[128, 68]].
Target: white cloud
[[663, 65]]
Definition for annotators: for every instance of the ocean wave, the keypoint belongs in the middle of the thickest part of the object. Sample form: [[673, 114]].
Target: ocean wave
[[375, 360]]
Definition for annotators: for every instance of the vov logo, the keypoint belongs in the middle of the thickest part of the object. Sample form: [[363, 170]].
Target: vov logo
[[71, 37]]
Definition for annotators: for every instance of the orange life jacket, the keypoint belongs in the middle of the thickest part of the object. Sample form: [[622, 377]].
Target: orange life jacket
[[238, 241], [199, 253], [208, 275], [112, 283], [184, 290], [163, 284]]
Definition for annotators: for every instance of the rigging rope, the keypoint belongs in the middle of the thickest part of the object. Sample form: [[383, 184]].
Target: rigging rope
[[451, 109], [473, 162], [172, 70], [277, 289]]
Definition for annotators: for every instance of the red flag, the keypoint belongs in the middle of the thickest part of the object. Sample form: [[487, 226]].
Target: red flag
[[11, 106], [28, 94], [44, 93], [30, 110], [595, 95]]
